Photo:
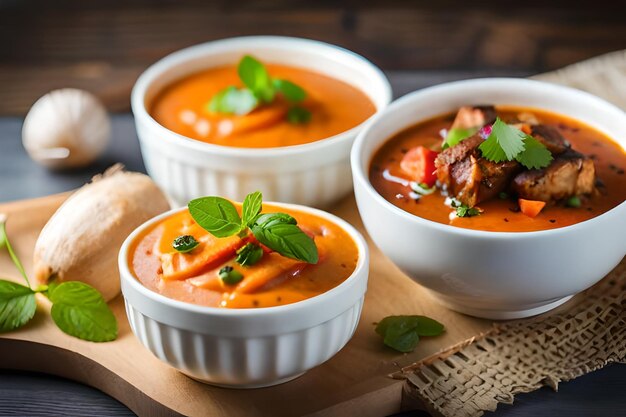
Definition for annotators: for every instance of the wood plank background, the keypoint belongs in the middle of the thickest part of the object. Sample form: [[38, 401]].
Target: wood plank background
[[103, 45]]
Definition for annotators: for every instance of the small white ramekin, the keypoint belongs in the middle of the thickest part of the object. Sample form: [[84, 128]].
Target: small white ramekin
[[494, 275], [316, 173], [246, 348]]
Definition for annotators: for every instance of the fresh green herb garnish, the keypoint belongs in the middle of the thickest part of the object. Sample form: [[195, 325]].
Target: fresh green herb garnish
[[506, 143], [291, 91], [233, 100], [463, 210], [535, 155], [80, 311], [185, 243], [402, 333], [422, 188], [573, 202], [456, 136], [297, 115], [277, 231], [260, 88], [77, 308], [229, 275], [17, 304], [249, 255]]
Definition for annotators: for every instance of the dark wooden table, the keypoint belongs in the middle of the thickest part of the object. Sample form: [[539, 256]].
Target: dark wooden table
[[103, 45]]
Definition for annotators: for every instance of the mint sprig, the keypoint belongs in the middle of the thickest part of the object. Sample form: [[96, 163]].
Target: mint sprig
[[506, 143], [277, 231], [77, 308], [403, 333], [260, 88]]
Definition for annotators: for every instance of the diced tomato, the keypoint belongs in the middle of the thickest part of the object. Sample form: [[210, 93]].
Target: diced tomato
[[419, 164], [531, 208]]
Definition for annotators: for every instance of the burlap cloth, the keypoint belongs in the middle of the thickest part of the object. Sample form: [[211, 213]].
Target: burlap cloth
[[524, 355]]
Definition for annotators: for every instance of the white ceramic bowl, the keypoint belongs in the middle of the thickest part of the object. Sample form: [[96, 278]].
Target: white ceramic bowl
[[494, 275], [316, 173], [246, 348]]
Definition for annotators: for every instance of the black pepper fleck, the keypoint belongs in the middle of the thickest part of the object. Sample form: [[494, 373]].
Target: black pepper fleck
[[552, 221], [255, 303], [506, 220]]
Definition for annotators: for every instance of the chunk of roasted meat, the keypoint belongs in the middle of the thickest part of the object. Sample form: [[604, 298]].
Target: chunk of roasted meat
[[474, 116], [551, 138], [469, 177], [571, 173]]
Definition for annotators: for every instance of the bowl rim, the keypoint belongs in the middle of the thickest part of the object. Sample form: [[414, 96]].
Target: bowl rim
[[361, 270], [360, 176], [180, 57]]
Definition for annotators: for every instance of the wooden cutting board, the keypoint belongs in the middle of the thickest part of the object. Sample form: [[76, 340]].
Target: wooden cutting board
[[354, 382]]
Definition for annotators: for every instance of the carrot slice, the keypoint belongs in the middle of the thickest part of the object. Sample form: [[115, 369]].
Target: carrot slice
[[531, 208], [258, 119], [267, 269], [212, 251]]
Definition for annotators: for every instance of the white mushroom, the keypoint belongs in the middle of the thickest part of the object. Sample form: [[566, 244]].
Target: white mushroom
[[66, 128]]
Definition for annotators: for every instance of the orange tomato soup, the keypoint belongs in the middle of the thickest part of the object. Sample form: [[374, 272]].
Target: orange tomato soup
[[503, 215], [274, 280], [335, 107]]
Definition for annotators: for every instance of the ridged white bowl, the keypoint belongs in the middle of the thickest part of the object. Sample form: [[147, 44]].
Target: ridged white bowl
[[246, 348], [315, 174], [494, 275]]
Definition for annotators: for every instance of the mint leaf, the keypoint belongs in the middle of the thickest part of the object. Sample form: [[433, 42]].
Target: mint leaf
[[456, 135], [80, 311], [277, 232], [233, 100], [249, 255], [291, 91], [255, 76], [298, 115], [17, 305], [535, 155], [216, 215], [252, 206], [402, 333], [503, 144]]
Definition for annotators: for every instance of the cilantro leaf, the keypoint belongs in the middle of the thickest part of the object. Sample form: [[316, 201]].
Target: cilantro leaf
[[80, 311], [216, 215], [504, 143], [402, 333], [456, 136], [463, 210], [291, 91], [233, 100], [255, 76], [17, 305], [535, 155]]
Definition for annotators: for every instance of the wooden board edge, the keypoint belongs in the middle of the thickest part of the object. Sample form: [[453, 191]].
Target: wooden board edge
[[32, 356]]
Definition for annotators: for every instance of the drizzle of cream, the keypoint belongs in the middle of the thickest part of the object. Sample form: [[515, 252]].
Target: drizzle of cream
[[398, 180]]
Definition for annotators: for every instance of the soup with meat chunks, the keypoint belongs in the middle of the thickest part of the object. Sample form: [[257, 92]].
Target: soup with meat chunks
[[504, 168]]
